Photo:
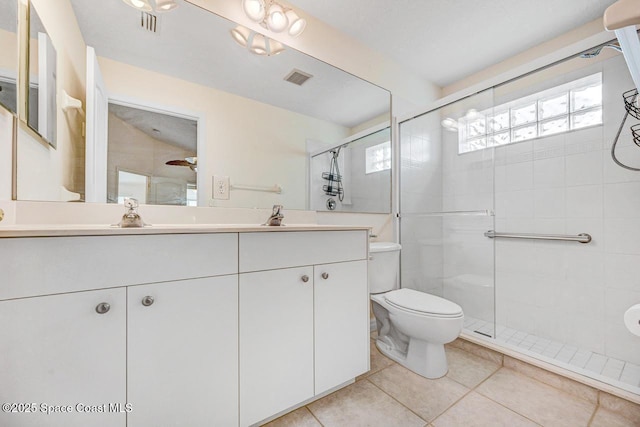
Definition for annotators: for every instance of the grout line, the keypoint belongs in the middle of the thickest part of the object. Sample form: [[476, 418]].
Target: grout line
[[402, 404], [594, 414], [314, 415], [500, 403]]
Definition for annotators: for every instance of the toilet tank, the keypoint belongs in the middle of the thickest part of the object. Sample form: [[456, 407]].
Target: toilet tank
[[384, 261]]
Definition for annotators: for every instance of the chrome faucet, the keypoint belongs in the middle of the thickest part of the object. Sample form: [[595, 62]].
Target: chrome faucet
[[276, 216], [131, 218]]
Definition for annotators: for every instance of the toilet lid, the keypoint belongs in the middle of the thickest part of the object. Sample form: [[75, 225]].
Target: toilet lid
[[422, 302]]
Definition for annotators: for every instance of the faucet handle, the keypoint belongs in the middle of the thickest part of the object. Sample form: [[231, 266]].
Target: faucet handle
[[131, 203], [276, 210]]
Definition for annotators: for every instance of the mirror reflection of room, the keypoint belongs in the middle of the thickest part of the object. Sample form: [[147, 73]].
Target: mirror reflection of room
[[243, 102], [152, 157], [42, 102], [9, 56]]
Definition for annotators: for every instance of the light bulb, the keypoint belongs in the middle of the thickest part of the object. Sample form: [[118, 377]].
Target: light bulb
[[255, 9], [259, 44], [142, 5], [277, 21], [275, 47], [241, 35], [296, 24], [165, 5]]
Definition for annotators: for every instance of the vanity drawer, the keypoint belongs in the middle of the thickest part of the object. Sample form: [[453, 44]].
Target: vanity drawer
[[49, 265], [284, 249]]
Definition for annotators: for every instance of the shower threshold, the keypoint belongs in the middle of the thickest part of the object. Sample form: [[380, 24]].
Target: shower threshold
[[618, 373]]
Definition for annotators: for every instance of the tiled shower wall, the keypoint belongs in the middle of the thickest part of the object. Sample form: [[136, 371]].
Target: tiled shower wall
[[564, 291], [422, 259], [561, 291]]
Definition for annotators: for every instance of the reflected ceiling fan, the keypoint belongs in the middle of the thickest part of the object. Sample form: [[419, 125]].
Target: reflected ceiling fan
[[191, 162]]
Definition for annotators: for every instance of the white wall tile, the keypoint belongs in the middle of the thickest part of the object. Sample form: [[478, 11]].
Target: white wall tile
[[584, 201], [621, 271], [584, 168], [622, 200], [549, 173], [549, 203]]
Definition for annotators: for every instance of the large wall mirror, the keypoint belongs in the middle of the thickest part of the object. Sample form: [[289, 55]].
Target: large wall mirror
[[176, 112]]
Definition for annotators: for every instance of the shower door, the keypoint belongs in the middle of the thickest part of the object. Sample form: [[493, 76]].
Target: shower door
[[446, 206]]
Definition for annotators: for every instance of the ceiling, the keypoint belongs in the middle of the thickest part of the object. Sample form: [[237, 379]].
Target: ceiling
[[176, 131], [195, 45], [446, 40]]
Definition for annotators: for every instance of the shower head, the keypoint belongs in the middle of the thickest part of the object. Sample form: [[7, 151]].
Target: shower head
[[596, 51]]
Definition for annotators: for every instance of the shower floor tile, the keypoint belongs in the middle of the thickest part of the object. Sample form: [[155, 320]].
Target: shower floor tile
[[616, 372]]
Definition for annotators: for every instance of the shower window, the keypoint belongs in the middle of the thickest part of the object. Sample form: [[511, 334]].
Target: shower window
[[378, 158], [573, 105]]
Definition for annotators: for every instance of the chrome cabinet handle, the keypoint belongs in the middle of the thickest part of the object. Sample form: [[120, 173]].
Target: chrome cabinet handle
[[103, 307], [325, 275], [147, 301], [305, 278]]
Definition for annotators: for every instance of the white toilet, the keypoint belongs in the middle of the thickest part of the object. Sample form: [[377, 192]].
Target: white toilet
[[413, 326]]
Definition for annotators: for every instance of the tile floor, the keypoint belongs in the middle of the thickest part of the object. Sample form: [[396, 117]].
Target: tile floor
[[619, 373], [476, 392]]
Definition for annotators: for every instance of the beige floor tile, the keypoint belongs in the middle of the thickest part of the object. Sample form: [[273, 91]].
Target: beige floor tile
[[362, 404], [427, 398], [469, 369], [537, 401], [606, 418], [554, 380], [378, 361], [625, 408], [475, 410], [477, 350], [301, 417]]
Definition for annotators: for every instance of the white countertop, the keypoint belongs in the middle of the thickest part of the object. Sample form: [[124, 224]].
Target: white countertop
[[58, 230]]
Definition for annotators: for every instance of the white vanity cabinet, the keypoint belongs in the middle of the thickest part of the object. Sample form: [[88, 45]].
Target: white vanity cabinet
[[182, 353], [276, 341], [58, 350], [198, 329], [303, 330], [341, 336]]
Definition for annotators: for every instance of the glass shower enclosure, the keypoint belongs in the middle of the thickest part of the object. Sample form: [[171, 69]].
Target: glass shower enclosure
[[531, 158]]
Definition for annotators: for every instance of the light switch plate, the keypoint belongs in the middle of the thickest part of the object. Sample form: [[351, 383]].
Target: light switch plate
[[221, 187]]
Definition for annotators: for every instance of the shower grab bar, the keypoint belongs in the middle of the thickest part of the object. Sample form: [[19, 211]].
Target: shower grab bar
[[582, 237], [448, 213], [273, 189]]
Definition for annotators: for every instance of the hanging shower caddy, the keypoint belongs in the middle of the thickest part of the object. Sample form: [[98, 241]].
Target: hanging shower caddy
[[333, 187]]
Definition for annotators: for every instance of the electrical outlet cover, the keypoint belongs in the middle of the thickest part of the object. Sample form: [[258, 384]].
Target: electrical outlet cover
[[221, 187]]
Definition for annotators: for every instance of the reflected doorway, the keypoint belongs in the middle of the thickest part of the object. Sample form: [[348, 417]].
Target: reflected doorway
[[153, 154]]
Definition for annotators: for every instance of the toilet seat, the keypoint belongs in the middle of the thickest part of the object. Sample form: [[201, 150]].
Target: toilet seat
[[421, 303]]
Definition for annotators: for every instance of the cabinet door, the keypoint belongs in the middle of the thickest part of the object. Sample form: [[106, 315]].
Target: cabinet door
[[183, 353], [58, 350], [276, 341], [341, 323]]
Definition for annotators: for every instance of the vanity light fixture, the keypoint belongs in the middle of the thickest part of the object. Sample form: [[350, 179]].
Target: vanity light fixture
[[145, 5], [165, 5], [274, 16], [256, 43]]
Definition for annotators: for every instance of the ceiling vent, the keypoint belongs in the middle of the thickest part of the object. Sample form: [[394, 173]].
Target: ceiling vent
[[297, 77], [149, 22]]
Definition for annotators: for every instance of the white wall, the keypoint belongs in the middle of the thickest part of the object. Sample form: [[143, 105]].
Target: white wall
[[251, 142]]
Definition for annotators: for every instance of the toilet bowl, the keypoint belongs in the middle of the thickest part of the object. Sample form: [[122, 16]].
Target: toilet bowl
[[413, 326]]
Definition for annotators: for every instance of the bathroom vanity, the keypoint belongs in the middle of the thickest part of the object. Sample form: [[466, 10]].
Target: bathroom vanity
[[176, 326]]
